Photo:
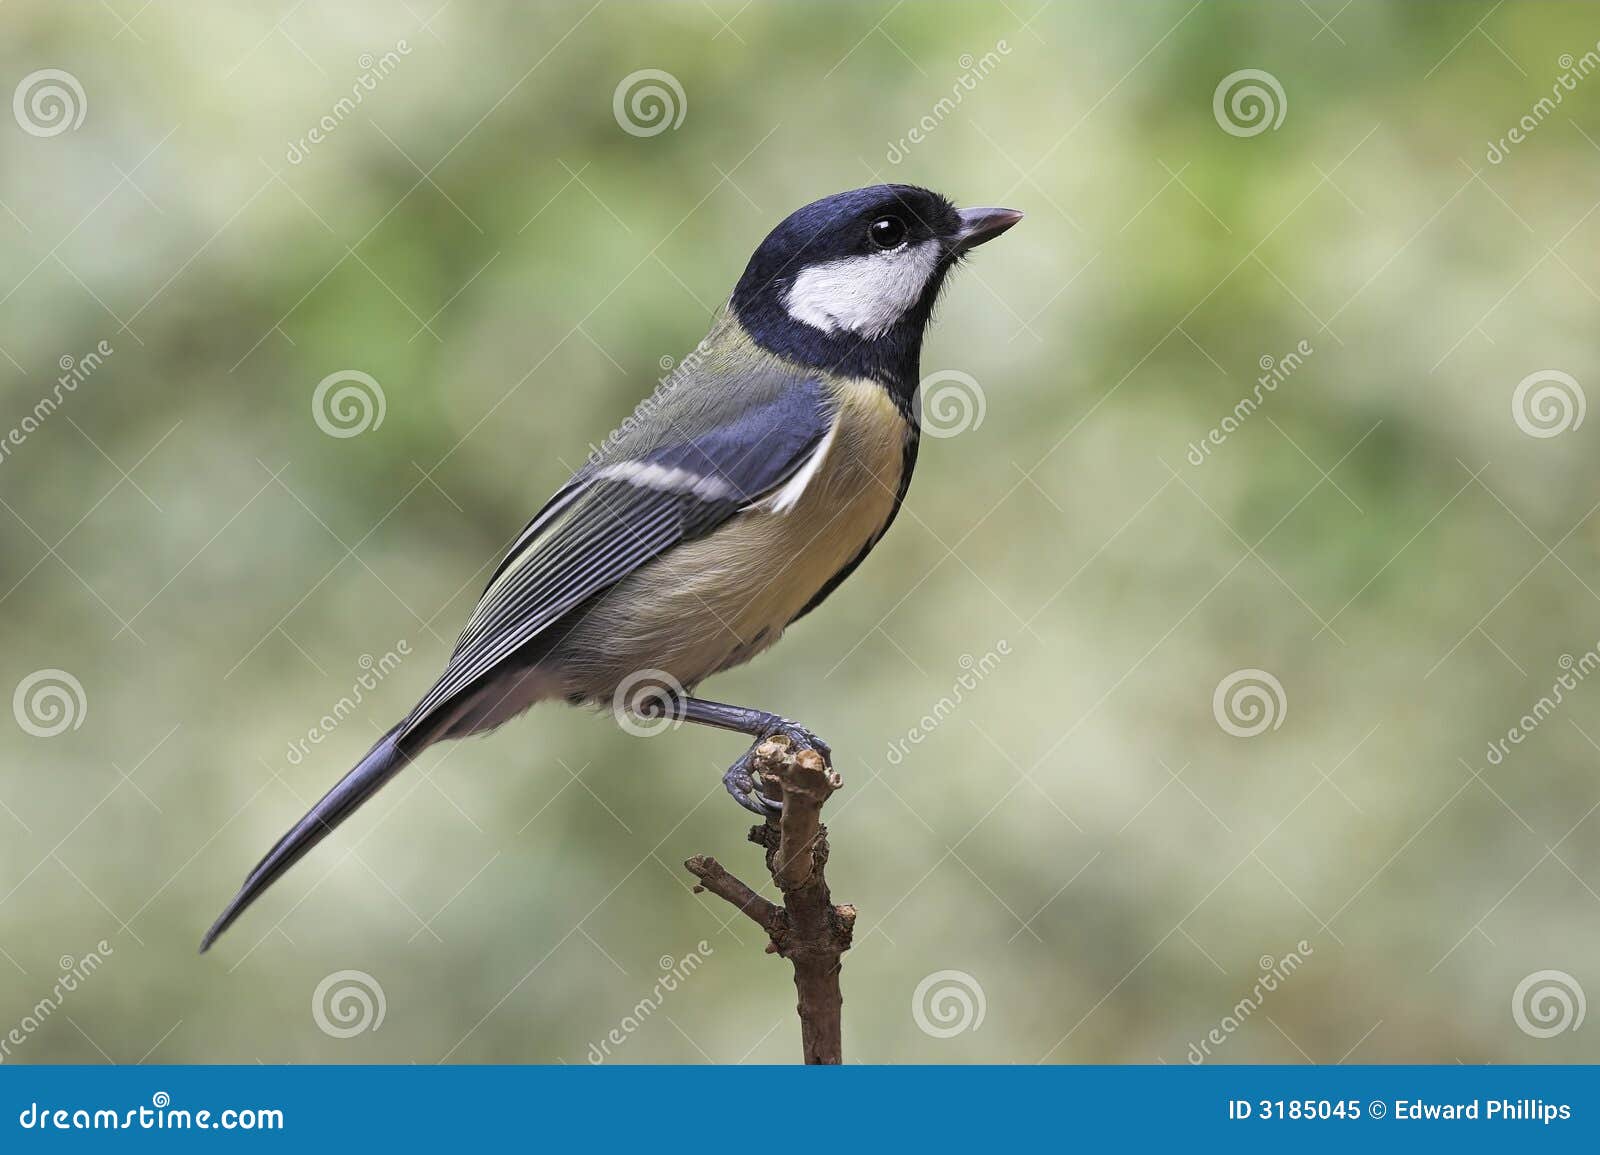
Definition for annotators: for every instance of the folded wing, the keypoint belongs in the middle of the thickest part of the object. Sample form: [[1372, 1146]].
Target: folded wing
[[677, 480]]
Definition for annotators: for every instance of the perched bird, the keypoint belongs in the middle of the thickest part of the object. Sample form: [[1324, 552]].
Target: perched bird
[[732, 502]]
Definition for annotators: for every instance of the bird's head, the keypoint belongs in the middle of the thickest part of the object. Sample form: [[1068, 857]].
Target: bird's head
[[848, 282]]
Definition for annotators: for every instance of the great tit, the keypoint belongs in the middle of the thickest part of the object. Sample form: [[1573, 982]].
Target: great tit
[[731, 503]]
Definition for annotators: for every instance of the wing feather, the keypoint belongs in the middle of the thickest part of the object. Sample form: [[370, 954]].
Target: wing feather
[[622, 512]]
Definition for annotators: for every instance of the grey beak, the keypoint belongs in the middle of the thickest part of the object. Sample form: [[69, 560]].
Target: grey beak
[[980, 225]]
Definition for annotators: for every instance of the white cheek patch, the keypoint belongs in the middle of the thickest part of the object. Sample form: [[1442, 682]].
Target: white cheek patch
[[865, 294]]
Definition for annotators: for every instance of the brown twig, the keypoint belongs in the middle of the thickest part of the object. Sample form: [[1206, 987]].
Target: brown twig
[[808, 929]]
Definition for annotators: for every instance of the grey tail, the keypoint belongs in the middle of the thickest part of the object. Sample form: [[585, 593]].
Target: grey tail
[[382, 763]]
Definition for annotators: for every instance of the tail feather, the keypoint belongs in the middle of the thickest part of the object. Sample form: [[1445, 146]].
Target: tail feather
[[382, 763]]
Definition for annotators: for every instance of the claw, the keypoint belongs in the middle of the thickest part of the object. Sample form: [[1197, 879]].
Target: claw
[[741, 784], [799, 738], [740, 780]]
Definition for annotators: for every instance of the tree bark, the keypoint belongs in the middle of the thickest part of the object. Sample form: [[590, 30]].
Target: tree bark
[[808, 929]]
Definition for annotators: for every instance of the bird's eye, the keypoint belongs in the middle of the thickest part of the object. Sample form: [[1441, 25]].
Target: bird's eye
[[886, 232]]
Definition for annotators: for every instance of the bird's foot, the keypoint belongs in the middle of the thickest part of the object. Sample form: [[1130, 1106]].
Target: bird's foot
[[741, 780], [797, 737]]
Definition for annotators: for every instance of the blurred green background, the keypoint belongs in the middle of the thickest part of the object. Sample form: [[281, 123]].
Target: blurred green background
[[1103, 864]]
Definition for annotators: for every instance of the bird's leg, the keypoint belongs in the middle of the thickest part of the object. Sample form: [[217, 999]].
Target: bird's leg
[[760, 725]]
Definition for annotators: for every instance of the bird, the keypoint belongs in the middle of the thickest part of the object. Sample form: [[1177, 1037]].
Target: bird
[[732, 502]]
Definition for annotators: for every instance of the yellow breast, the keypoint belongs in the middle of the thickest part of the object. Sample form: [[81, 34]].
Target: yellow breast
[[717, 601], [760, 569]]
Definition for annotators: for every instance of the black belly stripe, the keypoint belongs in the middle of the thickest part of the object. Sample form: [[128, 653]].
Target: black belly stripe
[[908, 462]]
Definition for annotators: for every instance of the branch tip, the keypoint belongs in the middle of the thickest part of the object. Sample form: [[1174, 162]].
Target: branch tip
[[808, 929]]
